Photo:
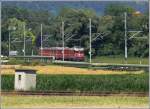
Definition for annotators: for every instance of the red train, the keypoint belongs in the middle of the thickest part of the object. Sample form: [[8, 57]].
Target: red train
[[75, 54]]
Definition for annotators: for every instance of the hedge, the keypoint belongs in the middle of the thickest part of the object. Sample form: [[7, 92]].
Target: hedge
[[96, 83]]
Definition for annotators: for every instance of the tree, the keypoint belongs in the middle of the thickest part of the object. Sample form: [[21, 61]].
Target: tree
[[134, 22], [17, 34], [118, 9], [76, 28]]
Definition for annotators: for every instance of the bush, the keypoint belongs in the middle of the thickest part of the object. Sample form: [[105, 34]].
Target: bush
[[14, 61]]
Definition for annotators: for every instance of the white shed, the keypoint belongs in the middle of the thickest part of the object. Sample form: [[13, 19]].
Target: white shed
[[25, 79]]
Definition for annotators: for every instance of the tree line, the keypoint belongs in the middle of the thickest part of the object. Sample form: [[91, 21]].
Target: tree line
[[107, 30]]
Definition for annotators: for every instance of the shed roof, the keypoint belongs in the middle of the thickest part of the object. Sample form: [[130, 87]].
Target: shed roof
[[27, 71]]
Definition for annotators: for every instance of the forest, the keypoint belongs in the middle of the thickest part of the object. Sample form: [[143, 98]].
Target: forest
[[107, 30]]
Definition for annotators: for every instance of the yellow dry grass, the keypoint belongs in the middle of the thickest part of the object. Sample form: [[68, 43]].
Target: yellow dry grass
[[55, 69]]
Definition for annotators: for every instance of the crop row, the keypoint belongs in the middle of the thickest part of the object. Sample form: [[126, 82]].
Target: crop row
[[93, 83]]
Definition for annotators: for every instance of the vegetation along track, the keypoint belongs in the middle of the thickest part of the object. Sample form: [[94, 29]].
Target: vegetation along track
[[48, 93]]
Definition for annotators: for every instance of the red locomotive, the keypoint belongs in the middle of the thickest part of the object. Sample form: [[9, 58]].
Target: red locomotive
[[75, 54]]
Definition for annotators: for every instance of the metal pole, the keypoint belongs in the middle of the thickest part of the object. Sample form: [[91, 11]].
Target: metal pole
[[32, 52], [24, 40], [63, 43], [125, 39], [149, 48], [90, 38], [9, 44], [41, 39], [0, 46]]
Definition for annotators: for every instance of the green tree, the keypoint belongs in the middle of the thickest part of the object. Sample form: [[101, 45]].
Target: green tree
[[16, 28]]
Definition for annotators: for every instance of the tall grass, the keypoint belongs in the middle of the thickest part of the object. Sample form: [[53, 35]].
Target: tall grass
[[92, 83], [7, 82]]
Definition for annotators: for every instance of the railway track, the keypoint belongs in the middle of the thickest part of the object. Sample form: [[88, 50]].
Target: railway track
[[104, 66], [139, 94]]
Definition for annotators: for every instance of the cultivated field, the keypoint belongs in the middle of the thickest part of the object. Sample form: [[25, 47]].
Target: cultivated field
[[91, 83], [57, 69], [63, 78]]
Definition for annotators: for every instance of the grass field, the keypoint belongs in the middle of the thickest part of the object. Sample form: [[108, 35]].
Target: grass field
[[120, 60], [73, 101]]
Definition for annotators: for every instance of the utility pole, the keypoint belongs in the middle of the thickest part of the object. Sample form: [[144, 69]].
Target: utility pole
[[24, 35], [32, 52], [90, 38], [0, 45], [149, 42], [63, 43], [9, 43], [41, 38], [125, 37]]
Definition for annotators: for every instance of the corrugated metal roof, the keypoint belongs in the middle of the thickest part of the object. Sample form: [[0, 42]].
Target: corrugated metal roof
[[61, 48]]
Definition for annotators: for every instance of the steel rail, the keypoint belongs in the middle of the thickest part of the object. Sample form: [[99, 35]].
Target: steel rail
[[56, 93]]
